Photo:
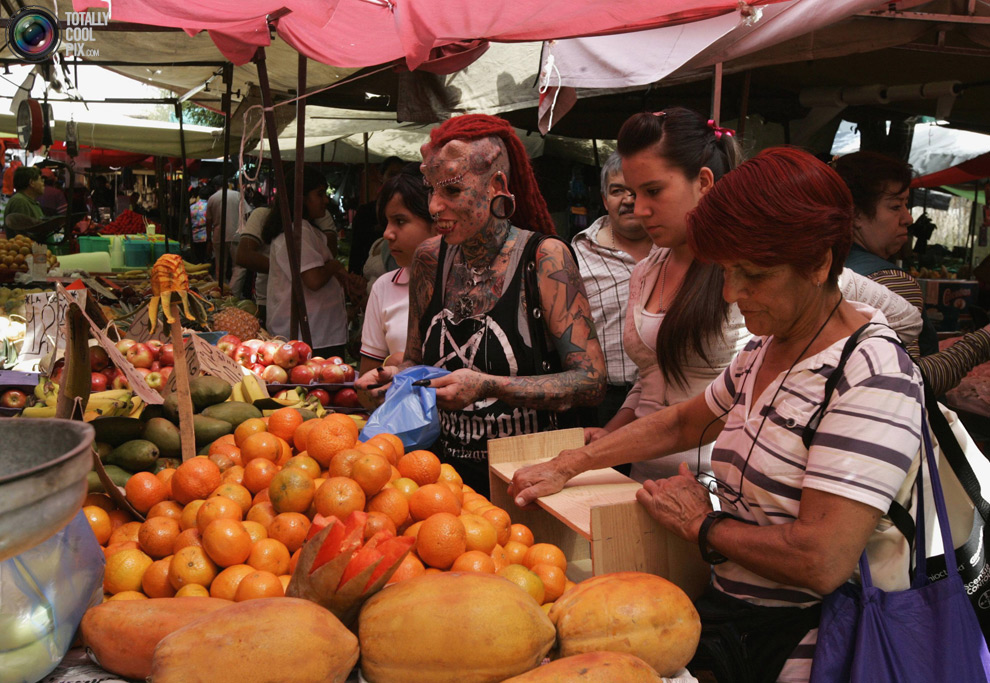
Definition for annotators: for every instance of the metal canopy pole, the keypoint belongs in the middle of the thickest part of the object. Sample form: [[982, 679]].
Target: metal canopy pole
[[717, 95], [228, 80], [298, 307], [183, 190], [297, 201]]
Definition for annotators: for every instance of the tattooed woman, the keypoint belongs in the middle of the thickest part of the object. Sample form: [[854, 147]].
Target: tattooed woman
[[516, 365]]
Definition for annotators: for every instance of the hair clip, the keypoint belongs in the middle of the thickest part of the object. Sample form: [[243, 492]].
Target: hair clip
[[719, 131], [660, 114]]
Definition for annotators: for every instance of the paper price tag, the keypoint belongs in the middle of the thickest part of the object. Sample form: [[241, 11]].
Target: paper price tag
[[215, 362], [134, 378], [45, 319], [192, 365], [140, 329]]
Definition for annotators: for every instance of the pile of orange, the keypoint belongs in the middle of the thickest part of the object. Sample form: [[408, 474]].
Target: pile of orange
[[230, 524]]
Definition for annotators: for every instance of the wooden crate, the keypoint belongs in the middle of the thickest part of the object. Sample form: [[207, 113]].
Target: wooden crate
[[595, 519]]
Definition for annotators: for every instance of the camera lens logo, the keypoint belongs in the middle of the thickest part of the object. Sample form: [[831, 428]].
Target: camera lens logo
[[33, 34]]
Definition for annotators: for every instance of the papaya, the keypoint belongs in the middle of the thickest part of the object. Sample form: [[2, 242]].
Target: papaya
[[209, 430], [219, 648], [116, 430], [117, 475], [592, 667], [633, 612], [207, 391], [165, 435], [452, 627], [123, 634], [136, 455], [234, 412]]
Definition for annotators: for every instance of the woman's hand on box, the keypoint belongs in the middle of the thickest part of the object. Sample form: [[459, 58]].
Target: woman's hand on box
[[536, 481]]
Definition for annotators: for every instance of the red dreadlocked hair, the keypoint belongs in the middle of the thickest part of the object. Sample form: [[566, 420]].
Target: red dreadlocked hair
[[531, 208]]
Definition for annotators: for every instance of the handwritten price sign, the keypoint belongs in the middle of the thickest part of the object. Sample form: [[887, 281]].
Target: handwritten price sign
[[44, 314], [202, 357]]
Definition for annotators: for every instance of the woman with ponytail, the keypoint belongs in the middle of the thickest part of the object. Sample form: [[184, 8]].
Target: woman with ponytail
[[493, 301]]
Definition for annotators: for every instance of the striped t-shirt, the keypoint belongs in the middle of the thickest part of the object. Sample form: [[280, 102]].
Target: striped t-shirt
[[863, 448]]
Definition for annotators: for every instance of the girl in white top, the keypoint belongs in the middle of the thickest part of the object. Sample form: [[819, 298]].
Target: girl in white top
[[403, 206], [321, 273]]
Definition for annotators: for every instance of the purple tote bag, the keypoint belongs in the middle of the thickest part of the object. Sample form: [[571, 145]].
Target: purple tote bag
[[926, 633]]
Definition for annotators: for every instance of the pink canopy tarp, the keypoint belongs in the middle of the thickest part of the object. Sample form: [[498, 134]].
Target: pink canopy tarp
[[360, 33], [966, 172]]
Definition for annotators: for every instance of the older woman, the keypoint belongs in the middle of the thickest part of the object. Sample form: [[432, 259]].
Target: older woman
[[794, 519], [520, 356]]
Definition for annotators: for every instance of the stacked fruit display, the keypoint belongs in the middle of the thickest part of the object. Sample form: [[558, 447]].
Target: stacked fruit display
[[153, 360], [15, 255], [129, 223]]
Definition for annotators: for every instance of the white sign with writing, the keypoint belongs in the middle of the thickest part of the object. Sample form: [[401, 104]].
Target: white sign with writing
[[44, 314], [202, 357], [140, 329]]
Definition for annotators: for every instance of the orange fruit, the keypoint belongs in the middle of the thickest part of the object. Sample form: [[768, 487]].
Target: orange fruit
[[191, 565], [217, 507], [382, 448], [432, 498], [302, 432], [249, 427], [394, 441], [291, 490], [228, 451], [501, 521], [371, 472], [143, 490], [515, 552], [155, 583], [128, 595], [125, 532], [221, 461], [472, 502], [306, 464], [553, 579], [259, 584], [344, 421], [286, 452], [455, 489], [450, 475], [261, 445], [441, 540], [261, 497], [157, 536], [189, 512], [342, 464], [421, 466], [227, 542], [236, 493], [100, 500], [225, 440], [544, 553], [188, 537], [391, 502], [225, 585], [290, 528], [194, 479], [192, 590], [99, 522], [234, 475], [166, 508], [114, 548], [262, 513], [499, 557], [124, 571], [329, 438], [525, 579], [293, 561], [409, 567], [339, 496], [269, 555], [521, 533], [405, 486], [283, 422], [412, 529], [166, 477], [481, 534], [256, 530], [258, 474], [474, 561], [285, 579], [395, 474], [119, 518], [378, 521]]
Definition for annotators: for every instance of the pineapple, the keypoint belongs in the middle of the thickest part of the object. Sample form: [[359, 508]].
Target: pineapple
[[239, 323]]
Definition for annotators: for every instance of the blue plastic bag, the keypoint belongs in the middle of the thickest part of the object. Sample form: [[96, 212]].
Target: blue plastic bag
[[408, 412]]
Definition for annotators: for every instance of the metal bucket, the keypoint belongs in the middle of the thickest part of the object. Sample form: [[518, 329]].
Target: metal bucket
[[43, 467]]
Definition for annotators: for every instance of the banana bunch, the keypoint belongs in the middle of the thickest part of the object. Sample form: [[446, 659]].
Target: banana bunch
[[194, 268], [137, 274], [113, 402], [253, 388]]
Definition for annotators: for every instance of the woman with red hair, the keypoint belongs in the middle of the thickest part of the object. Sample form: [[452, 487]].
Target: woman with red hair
[[795, 516], [494, 302]]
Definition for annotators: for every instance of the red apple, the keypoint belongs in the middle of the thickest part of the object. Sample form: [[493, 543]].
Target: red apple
[[120, 382], [97, 382], [304, 350], [266, 354], [315, 365], [302, 374], [244, 355], [255, 344], [257, 368], [166, 356], [332, 374], [336, 360], [165, 372], [322, 395], [13, 398], [155, 346], [139, 355], [286, 356], [124, 345], [110, 374], [144, 372], [155, 366], [228, 344], [275, 375], [154, 380], [348, 372], [346, 398], [98, 358], [321, 359]]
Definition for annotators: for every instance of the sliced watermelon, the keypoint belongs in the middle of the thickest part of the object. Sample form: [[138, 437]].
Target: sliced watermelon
[[392, 550], [342, 539], [364, 557], [319, 522]]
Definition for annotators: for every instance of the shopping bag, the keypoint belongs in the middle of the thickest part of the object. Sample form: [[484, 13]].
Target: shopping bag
[[926, 633], [409, 412]]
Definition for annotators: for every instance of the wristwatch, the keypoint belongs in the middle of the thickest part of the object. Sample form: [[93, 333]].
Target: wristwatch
[[711, 519]]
